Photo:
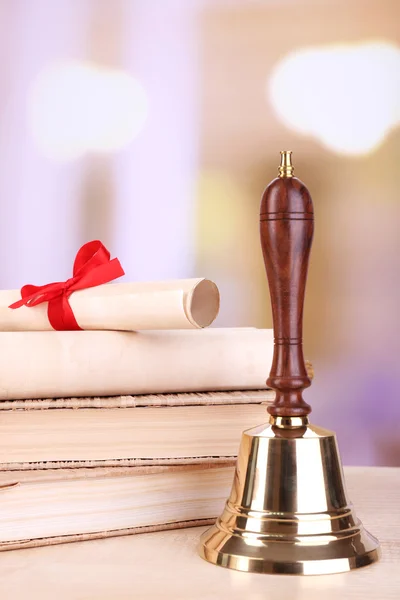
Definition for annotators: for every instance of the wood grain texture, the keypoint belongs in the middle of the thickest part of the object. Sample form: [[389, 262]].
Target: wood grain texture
[[286, 227], [166, 565]]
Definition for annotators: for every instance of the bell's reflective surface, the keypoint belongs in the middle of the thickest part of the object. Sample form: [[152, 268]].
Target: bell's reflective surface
[[288, 511]]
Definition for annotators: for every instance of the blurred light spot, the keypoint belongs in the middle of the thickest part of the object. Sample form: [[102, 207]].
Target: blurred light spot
[[220, 215], [347, 97], [76, 108], [226, 229]]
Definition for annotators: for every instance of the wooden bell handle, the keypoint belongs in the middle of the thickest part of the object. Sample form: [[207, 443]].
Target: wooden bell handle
[[287, 226]]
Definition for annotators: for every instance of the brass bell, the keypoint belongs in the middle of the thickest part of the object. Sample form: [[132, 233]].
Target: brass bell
[[288, 511]]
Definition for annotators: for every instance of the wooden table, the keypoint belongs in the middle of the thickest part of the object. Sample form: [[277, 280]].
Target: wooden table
[[165, 565]]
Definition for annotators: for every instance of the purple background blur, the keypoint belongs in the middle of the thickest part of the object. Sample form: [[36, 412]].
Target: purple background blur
[[154, 125]]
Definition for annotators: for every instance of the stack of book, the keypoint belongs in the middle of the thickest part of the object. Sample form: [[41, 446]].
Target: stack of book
[[78, 467], [113, 432]]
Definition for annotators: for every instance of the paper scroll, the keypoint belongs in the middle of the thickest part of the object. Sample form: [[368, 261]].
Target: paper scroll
[[179, 304]]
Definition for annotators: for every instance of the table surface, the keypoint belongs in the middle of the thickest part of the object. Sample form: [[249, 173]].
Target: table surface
[[165, 565]]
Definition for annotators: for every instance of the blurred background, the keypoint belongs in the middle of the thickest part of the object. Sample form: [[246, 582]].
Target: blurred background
[[155, 125]]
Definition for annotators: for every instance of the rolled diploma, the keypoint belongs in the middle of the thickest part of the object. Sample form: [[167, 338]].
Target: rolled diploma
[[177, 304]]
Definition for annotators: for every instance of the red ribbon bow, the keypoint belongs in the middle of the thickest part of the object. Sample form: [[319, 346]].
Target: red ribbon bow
[[92, 267]]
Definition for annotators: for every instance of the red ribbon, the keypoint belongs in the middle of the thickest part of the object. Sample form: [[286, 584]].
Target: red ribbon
[[92, 267]]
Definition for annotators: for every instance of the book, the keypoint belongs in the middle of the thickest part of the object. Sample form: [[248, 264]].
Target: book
[[49, 507], [60, 364], [160, 429]]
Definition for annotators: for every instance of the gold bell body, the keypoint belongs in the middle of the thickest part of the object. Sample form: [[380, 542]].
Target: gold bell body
[[288, 511]]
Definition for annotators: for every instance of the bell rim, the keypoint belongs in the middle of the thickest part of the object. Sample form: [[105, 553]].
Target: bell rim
[[267, 564]]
